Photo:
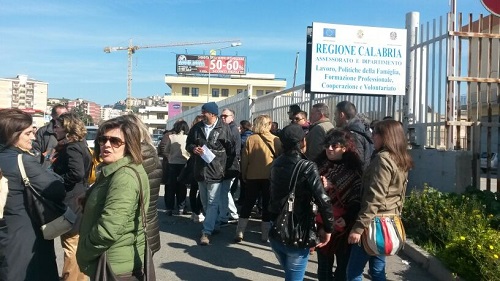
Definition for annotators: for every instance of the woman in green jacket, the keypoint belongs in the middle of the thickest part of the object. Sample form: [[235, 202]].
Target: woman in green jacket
[[112, 219]]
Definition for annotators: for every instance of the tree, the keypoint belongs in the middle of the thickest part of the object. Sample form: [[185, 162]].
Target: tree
[[81, 112]]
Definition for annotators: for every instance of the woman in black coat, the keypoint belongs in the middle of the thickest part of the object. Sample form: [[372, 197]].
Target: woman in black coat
[[72, 161], [152, 166], [24, 253]]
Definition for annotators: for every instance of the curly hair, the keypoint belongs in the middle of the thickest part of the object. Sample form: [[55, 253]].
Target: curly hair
[[73, 126], [345, 139]]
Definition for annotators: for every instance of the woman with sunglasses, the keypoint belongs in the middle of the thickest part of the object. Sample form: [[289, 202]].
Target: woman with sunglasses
[[383, 184], [24, 253], [341, 169], [72, 161], [112, 219]]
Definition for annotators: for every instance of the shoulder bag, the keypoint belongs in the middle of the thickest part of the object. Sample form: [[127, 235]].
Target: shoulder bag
[[385, 235], [54, 219], [289, 228], [104, 271]]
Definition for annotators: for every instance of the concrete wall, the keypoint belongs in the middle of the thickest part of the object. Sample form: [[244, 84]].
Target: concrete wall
[[447, 171]]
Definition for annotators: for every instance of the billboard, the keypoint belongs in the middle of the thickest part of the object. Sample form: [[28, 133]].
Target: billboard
[[347, 59], [186, 64], [174, 108]]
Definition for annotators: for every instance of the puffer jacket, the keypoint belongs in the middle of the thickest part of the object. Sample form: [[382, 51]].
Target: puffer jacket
[[384, 185], [219, 141], [363, 140], [309, 185], [112, 220], [152, 166]]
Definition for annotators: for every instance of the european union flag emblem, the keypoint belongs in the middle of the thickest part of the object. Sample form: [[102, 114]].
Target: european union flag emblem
[[328, 32]]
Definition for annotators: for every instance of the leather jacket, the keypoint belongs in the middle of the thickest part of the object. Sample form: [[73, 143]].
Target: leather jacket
[[309, 185]]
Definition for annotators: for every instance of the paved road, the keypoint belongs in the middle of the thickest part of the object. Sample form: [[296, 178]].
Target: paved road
[[182, 259]]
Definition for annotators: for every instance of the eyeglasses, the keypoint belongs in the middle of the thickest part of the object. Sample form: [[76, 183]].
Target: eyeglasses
[[332, 146], [298, 119], [225, 116], [114, 141]]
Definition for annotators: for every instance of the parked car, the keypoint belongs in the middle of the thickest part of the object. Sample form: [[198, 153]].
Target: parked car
[[493, 161], [91, 135], [156, 139]]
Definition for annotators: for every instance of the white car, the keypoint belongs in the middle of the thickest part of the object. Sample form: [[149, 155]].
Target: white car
[[91, 135], [493, 162]]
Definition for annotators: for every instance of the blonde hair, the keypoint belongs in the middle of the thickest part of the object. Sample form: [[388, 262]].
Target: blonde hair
[[73, 126], [262, 124]]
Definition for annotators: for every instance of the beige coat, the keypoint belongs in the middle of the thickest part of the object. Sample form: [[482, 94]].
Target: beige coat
[[256, 157], [383, 185]]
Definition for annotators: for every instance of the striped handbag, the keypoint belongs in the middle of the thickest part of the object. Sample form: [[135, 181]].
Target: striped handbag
[[385, 236]]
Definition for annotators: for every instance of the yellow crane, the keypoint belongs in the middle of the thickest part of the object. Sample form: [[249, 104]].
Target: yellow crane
[[132, 48]]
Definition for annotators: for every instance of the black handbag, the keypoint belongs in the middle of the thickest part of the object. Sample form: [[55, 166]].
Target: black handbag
[[104, 271], [290, 228], [53, 218]]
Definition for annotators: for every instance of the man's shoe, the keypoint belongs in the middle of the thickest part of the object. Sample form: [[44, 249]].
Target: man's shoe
[[204, 241]]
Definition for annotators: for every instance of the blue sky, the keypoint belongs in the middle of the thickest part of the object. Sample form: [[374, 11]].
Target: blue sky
[[61, 42]]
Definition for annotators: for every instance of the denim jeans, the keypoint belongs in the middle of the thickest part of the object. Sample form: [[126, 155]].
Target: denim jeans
[[210, 197], [292, 259], [227, 208], [357, 262]]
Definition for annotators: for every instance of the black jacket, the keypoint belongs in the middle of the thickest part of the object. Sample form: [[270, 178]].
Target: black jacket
[[45, 141], [73, 162], [363, 139], [219, 142], [233, 159], [309, 185], [24, 254], [152, 166]]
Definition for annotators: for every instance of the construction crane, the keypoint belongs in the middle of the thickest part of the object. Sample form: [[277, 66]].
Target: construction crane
[[131, 50]]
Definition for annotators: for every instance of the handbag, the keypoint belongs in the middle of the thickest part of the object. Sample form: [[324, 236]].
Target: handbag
[[291, 229], [54, 219], [104, 271], [385, 235]]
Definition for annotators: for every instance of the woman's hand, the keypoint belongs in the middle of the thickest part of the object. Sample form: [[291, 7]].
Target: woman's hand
[[81, 200], [326, 183], [324, 238], [340, 222], [354, 238]]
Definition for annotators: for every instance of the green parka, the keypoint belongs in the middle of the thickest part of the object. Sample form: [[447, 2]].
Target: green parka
[[112, 219]]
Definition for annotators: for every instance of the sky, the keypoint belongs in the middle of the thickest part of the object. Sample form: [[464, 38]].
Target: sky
[[61, 42]]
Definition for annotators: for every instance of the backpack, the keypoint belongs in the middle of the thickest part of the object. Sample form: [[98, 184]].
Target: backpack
[[4, 190]]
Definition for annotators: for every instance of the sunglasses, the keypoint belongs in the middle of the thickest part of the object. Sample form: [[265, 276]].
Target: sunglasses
[[114, 141], [298, 119]]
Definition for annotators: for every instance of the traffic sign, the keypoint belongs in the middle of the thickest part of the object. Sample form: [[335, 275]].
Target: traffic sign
[[493, 6]]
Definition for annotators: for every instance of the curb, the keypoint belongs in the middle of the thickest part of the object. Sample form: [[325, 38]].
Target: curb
[[428, 262]]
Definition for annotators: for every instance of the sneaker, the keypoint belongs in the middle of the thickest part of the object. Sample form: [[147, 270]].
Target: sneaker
[[204, 241], [201, 217]]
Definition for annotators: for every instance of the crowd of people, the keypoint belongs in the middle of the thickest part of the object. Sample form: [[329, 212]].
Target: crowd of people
[[350, 169]]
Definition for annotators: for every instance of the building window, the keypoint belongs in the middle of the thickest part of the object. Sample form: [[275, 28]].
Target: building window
[[268, 91], [195, 92], [260, 93], [225, 93], [239, 91], [215, 93], [185, 91], [160, 116]]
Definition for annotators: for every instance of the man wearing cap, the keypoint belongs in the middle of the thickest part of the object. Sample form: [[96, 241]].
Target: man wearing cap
[[320, 125], [211, 143]]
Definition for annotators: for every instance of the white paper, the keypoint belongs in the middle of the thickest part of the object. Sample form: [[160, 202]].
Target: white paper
[[207, 155]]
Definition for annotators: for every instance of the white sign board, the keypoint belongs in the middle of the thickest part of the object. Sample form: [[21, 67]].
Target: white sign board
[[358, 59]]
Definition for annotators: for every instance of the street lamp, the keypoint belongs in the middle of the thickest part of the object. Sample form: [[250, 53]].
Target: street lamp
[[213, 53]]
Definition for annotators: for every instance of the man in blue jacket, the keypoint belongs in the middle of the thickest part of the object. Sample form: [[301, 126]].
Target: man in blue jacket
[[211, 142]]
